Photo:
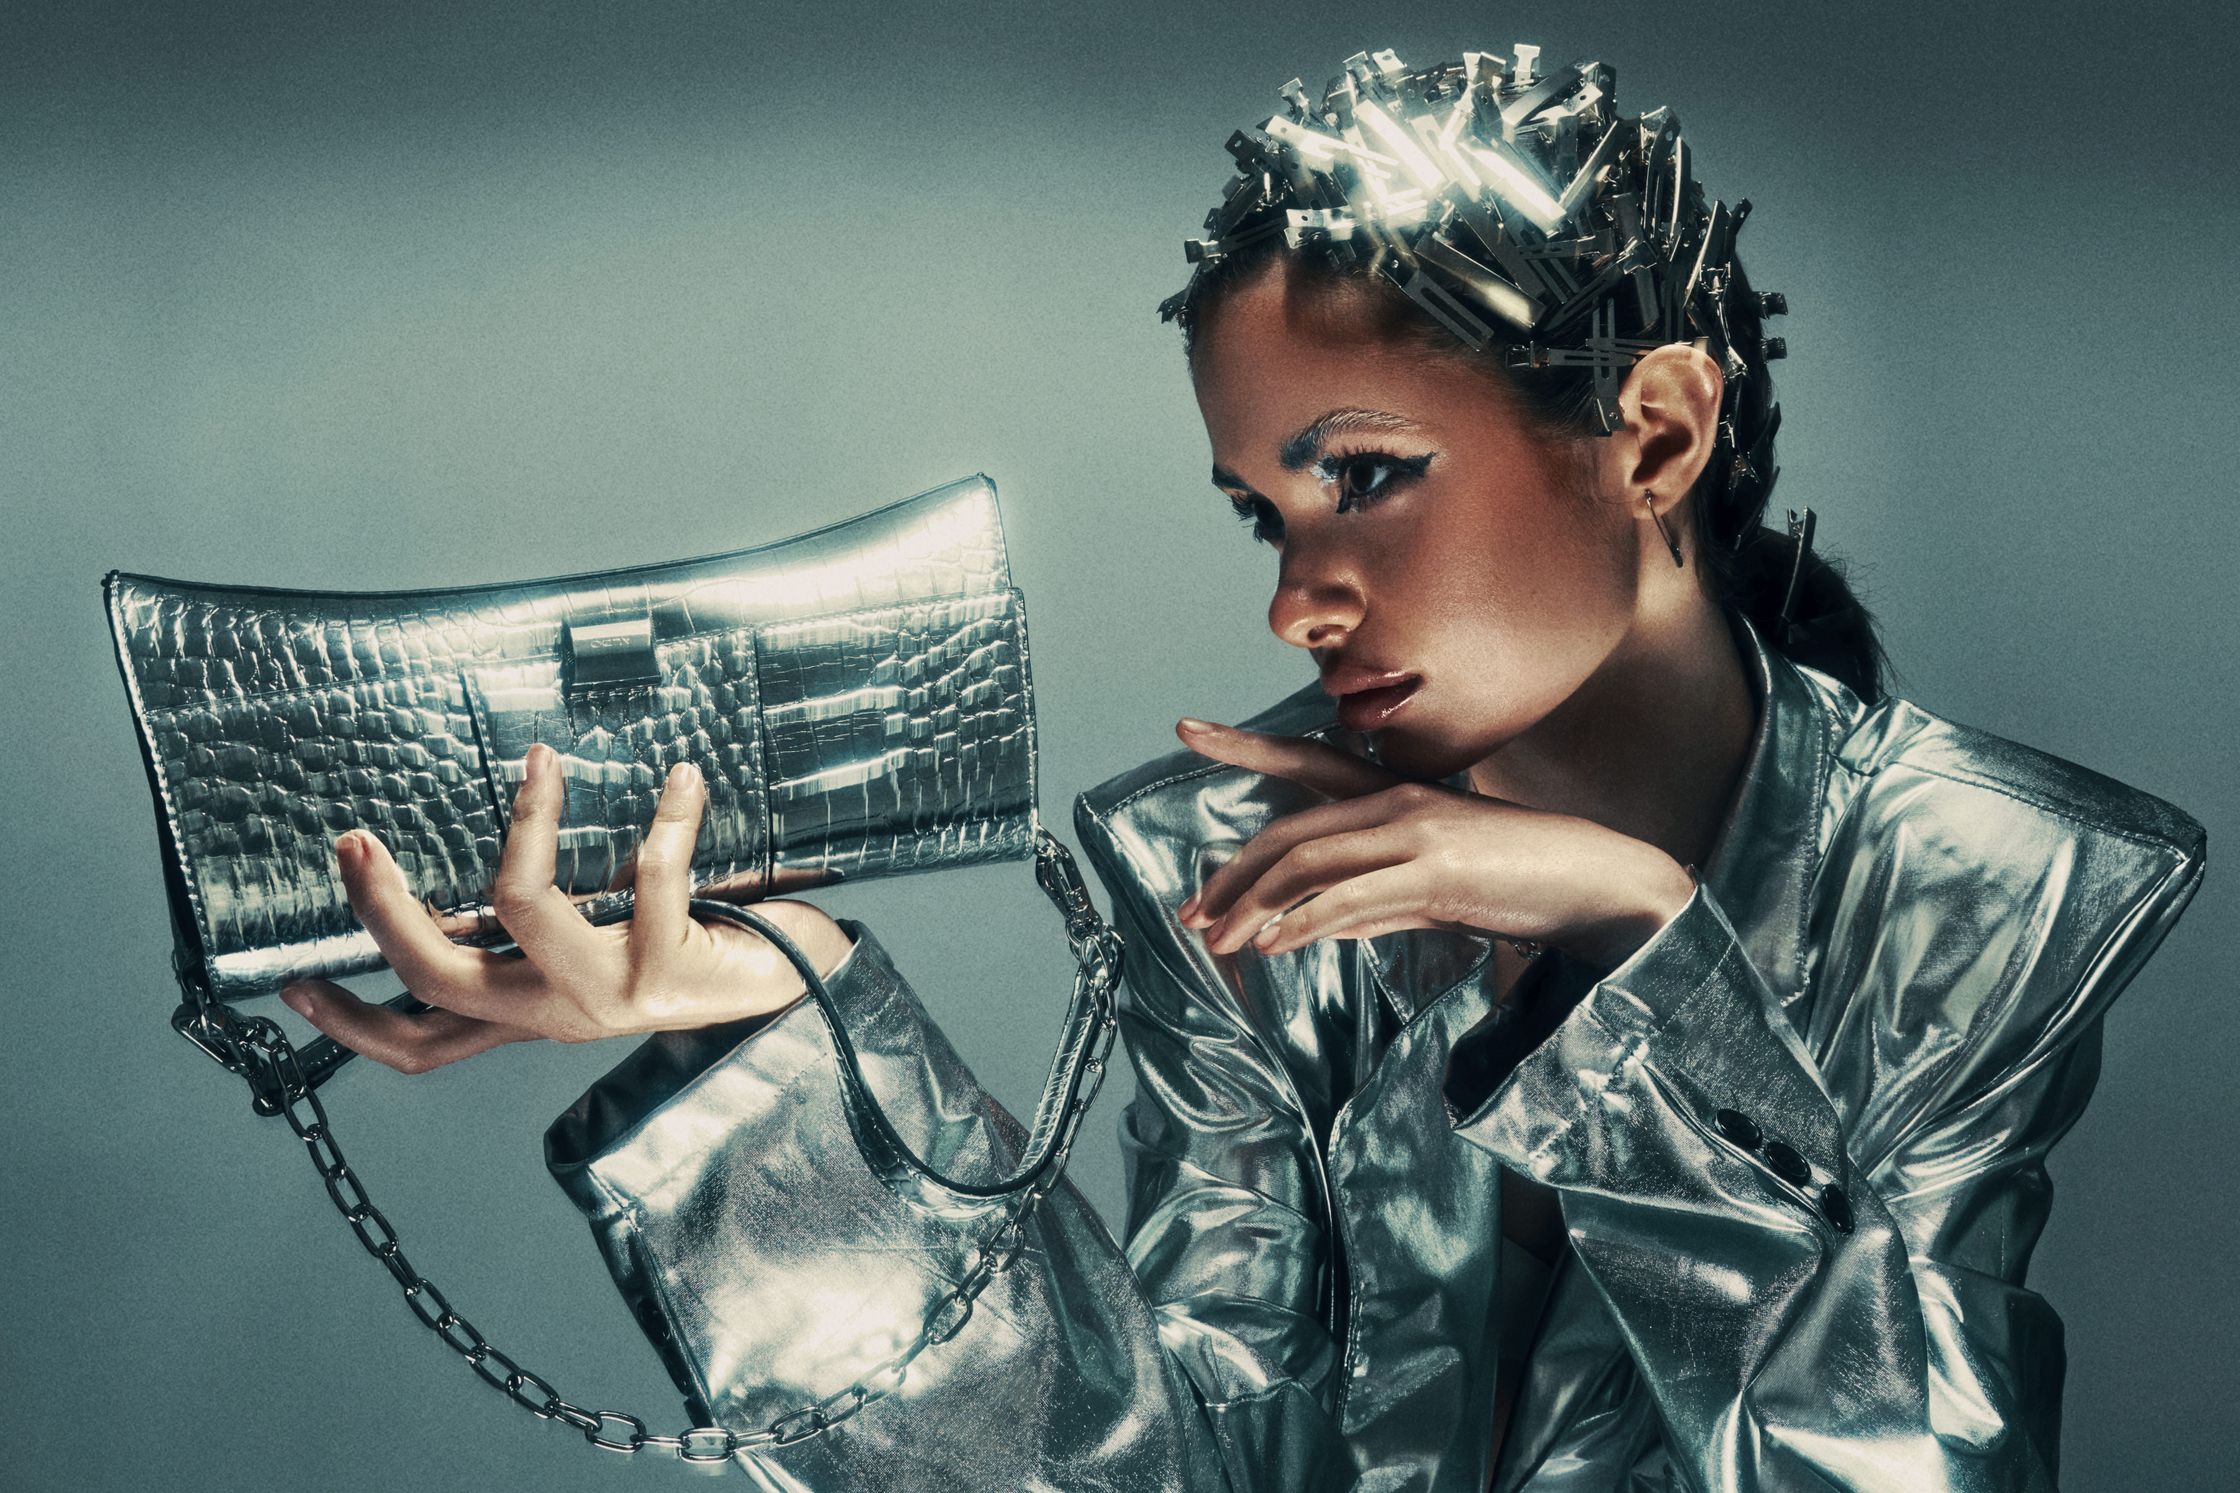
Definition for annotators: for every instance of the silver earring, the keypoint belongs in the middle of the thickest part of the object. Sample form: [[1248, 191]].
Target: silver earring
[[1669, 542]]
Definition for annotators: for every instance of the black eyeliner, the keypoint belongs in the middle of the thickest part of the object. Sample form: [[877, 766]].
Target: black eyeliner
[[1410, 466], [1401, 471]]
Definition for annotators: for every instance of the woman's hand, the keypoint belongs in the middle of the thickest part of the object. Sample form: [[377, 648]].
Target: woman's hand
[[660, 970], [1389, 853]]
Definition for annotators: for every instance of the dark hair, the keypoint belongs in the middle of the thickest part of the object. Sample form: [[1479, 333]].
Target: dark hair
[[1750, 565]]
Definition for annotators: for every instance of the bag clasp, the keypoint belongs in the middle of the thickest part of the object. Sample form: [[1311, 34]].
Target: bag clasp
[[611, 654]]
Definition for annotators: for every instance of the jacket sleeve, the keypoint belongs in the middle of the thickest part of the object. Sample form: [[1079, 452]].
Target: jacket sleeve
[[1813, 1243], [773, 1267], [1227, 1216]]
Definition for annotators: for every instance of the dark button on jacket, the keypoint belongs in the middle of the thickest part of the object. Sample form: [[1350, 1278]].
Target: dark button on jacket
[[1740, 1129], [1787, 1164], [1896, 963], [1836, 1208]]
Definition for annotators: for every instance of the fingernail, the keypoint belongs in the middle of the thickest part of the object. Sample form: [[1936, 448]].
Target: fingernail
[[684, 775], [1189, 906], [1193, 724], [348, 847], [298, 1001], [1265, 936]]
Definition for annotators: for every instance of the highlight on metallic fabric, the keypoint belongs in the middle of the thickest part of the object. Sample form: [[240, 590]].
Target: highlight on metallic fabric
[[1798, 1138], [1515, 204]]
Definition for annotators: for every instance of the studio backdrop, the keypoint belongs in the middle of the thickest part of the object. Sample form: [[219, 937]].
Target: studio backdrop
[[406, 296]]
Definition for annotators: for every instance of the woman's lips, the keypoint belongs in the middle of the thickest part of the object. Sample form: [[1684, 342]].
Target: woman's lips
[[1366, 710]]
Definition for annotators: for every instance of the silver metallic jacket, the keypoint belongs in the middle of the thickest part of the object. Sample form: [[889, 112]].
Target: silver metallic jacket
[[1799, 1140]]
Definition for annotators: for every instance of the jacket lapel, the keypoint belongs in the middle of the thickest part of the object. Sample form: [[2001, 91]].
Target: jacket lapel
[[1578, 1383], [1768, 847]]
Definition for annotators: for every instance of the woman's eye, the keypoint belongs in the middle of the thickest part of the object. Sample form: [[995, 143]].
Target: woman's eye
[[1365, 476], [1361, 476], [1261, 516]]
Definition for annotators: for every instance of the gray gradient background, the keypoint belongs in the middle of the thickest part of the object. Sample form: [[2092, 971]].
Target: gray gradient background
[[346, 295]]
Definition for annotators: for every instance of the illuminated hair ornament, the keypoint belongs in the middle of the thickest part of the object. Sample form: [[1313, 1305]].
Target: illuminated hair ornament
[[1522, 212]]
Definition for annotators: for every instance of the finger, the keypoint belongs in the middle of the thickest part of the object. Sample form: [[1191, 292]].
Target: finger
[[541, 918], [413, 943], [407, 1042], [1395, 922], [1391, 898], [1327, 769], [1275, 841], [1305, 869], [410, 941], [662, 917]]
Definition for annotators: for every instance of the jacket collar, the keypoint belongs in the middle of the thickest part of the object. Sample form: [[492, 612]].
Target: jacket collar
[[1769, 845], [1762, 861]]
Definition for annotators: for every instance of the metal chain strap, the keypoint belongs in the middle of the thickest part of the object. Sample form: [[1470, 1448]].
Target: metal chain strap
[[257, 1043]]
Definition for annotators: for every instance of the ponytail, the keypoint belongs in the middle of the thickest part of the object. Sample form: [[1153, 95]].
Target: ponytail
[[1827, 629]]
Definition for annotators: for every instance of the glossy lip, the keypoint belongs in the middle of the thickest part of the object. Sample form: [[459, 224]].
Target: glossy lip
[[1346, 679], [1367, 709]]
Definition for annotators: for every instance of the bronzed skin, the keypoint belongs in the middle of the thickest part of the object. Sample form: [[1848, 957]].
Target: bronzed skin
[[1589, 686], [661, 970]]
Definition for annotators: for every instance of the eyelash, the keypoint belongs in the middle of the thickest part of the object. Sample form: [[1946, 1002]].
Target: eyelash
[[1260, 516], [1267, 525]]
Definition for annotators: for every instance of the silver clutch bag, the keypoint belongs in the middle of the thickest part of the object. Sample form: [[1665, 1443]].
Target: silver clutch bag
[[857, 698]]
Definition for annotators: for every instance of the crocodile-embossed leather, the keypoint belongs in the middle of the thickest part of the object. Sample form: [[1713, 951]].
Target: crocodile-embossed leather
[[935, 712], [857, 698]]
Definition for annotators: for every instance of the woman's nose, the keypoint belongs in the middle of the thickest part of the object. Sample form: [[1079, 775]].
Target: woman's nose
[[1312, 609]]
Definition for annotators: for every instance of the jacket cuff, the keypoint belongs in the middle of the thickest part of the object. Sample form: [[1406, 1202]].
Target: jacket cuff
[[625, 1120], [717, 1169], [1683, 1029]]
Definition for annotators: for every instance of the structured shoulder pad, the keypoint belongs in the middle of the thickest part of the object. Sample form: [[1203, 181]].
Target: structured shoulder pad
[[1900, 743]]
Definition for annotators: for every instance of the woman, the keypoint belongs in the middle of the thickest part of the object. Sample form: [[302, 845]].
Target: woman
[[1480, 1134]]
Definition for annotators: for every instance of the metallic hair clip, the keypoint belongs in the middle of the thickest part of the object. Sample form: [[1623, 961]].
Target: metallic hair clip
[[1800, 542], [1512, 202]]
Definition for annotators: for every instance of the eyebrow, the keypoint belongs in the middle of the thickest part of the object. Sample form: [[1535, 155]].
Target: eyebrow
[[1300, 450]]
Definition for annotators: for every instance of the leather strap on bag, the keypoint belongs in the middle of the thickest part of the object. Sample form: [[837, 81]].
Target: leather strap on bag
[[257, 1049]]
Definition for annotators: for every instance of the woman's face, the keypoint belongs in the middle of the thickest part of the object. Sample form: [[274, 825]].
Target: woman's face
[[1420, 529]]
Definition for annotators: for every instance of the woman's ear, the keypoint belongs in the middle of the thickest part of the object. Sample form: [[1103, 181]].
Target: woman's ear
[[1670, 406]]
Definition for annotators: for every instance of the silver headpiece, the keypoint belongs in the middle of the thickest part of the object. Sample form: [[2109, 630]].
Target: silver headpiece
[[1516, 206]]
